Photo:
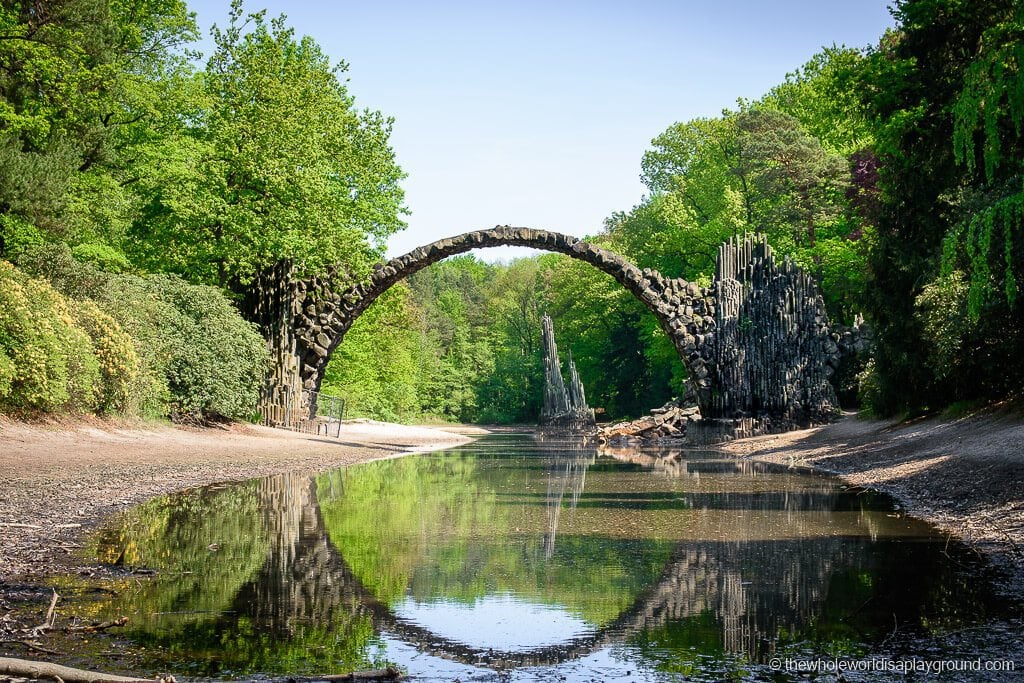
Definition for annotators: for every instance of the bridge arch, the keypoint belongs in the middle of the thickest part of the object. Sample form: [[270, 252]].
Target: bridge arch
[[756, 344], [666, 298]]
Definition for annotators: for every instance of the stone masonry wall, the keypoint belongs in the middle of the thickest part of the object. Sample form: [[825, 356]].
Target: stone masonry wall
[[755, 344]]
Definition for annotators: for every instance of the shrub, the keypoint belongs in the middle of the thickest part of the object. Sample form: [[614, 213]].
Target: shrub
[[48, 361], [869, 389], [119, 366], [941, 310], [216, 361], [102, 256], [194, 351]]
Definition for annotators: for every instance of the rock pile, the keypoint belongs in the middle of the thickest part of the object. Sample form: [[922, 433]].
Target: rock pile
[[668, 422]]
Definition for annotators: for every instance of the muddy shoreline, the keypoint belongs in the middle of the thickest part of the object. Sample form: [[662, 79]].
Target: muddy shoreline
[[965, 476], [59, 483]]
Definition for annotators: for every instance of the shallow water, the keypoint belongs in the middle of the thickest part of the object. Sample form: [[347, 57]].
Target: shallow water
[[520, 559]]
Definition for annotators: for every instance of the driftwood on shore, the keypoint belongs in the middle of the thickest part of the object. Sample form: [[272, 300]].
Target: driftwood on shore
[[27, 668]]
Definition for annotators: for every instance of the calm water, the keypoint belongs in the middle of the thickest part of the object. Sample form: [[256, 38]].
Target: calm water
[[516, 559]]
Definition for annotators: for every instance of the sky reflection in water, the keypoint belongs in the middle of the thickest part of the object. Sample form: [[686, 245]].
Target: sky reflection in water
[[531, 558]]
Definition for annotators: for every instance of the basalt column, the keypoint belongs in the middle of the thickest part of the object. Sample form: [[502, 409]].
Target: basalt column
[[563, 406], [771, 351], [271, 302]]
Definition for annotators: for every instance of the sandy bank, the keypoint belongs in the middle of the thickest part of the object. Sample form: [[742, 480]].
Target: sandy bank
[[57, 481], [966, 475]]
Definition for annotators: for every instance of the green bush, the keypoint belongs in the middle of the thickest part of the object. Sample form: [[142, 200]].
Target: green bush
[[216, 361], [941, 309], [196, 355], [869, 388], [47, 362], [102, 256]]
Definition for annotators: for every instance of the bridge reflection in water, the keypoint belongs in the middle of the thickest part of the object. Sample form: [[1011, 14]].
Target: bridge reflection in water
[[672, 558]]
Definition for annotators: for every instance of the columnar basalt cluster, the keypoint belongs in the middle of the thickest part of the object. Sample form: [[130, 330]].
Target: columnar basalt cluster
[[756, 344], [771, 351], [564, 406]]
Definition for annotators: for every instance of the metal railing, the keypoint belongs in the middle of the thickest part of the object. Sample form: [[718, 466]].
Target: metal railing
[[330, 411], [287, 410]]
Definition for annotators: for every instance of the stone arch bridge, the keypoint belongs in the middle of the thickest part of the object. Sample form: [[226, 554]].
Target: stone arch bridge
[[756, 343]]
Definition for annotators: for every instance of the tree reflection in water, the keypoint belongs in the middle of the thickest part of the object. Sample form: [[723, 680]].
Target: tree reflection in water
[[670, 557]]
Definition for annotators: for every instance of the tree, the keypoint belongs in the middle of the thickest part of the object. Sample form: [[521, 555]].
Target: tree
[[755, 170], [988, 120], [272, 164], [694, 162], [941, 92], [821, 97], [377, 368], [792, 182], [511, 392], [82, 84]]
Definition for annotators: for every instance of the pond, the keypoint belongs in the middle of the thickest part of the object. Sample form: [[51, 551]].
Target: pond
[[516, 558]]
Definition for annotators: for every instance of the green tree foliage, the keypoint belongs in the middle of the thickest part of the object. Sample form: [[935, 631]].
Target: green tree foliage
[[272, 163], [377, 367], [511, 389], [943, 94], [792, 183], [693, 162], [458, 342], [115, 150], [756, 170], [625, 361], [81, 83], [991, 107], [820, 97]]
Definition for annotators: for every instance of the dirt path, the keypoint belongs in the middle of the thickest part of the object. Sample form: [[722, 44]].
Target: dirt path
[[966, 475], [56, 482]]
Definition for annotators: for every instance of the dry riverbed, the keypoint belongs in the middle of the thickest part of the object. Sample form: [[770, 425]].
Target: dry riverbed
[[57, 481]]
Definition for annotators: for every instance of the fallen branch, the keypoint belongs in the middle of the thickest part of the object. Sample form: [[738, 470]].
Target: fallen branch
[[94, 628], [47, 624], [27, 668], [30, 645]]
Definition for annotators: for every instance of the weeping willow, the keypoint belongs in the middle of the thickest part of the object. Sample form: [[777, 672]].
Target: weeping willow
[[990, 111], [989, 243]]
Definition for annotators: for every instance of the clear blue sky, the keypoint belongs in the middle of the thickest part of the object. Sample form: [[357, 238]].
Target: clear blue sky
[[538, 113]]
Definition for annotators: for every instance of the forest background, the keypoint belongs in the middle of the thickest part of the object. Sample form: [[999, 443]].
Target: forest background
[[143, 189]]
